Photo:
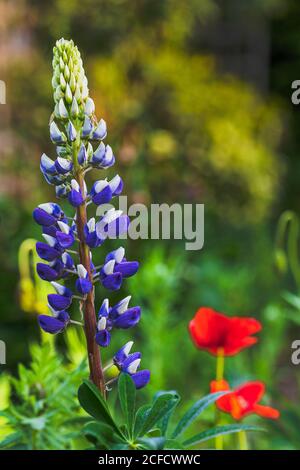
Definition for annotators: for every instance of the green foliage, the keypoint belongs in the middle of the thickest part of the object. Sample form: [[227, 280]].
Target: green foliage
[[148, 427], [42, 412]]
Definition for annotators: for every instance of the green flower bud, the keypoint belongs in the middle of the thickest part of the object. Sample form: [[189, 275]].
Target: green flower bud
[[68, 94], [69, 80], [89, 151], [72, 83], [67, 73], [74, 108], [63, 112], [62, 81], [61, 64]]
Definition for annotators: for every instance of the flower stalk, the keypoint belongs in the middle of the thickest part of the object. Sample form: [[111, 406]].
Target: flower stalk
[[78, 137], [219, 376]]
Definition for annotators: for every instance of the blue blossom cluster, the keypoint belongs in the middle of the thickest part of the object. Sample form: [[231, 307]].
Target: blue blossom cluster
[[78, 139]]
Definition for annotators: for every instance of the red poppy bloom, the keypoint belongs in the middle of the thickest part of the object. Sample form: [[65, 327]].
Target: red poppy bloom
[[243, 400], [213, 331]]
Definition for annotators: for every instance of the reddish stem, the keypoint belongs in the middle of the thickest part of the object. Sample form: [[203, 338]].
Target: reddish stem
[[90, 326]]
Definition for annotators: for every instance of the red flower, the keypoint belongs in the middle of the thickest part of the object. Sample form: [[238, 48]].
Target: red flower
[[243, 400], [212, 331]]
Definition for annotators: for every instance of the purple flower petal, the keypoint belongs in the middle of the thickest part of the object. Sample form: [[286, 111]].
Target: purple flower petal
[[141, 378], [65, 240], [132, 357], [46, 272], [128, 319], [75, 198], [43, 218], [51, 324], [59, 302], [84, 286], [47, 252], [127, 268], [103, 338], [50, 230], [103, 197], [112, 281]]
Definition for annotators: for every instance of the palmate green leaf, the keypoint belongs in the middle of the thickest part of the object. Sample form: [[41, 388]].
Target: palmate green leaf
[[102, 433], [152, 443], [162, 404], [164, 421], [140, 419], [195, 410], [219, 431], [127, 395], [93, 403]]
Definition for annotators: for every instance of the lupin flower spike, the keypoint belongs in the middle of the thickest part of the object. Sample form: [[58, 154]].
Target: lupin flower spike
[[78, 138]]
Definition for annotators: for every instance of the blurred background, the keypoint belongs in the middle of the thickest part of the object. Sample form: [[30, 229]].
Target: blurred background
[[197, 97]]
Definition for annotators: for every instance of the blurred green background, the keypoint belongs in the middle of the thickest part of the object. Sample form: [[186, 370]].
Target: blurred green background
[[197, 100]]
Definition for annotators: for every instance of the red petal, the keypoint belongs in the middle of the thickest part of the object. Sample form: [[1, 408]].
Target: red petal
[[208, 329], [266, 411], [251, 392], [223, 403], [238, 335]]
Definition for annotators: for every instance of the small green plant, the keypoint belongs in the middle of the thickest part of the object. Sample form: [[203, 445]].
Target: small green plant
[[43, 412], [149, 427]]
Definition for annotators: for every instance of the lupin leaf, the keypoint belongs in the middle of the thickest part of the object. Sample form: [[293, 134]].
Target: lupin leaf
[[127, 394], [94, 404], [161, 406]]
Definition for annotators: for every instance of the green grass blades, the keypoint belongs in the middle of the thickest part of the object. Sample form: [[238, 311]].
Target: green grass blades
[[195, 410]]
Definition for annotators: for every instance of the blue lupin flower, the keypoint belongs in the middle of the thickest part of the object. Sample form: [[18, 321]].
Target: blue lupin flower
[[101, 131], [129, 364], [82, 155], [67, 261], [47, 214], [89, 108], [101, 192], [47, 165], [63, 166], [79, 148], [115, 268], [65, 235], [48, 251], [90, 234], [113, 224], [75, 196], [83, 284], [124, 317], [87, 127], [104, 325], [116, 185], [54, 325], [103, 335], [56, 136], [59, 302], [71, 132]]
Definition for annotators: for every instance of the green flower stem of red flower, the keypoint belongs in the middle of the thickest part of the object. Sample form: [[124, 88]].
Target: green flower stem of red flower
[[94, 357], [242, 436], [219, 376], [220, 364]]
